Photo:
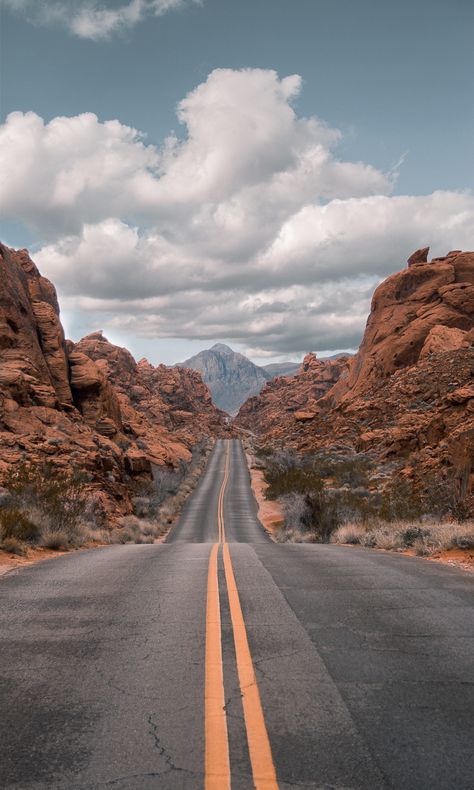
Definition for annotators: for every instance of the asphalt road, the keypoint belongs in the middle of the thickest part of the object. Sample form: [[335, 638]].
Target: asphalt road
[[115, 662]]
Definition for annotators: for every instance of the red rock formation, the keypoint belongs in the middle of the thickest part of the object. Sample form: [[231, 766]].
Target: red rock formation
[[170, 403], [88, 405], [287, 400], [406, 307], [407, 397]]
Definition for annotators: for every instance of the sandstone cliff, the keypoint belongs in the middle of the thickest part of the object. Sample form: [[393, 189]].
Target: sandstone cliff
[[89, 405], [407, 397]]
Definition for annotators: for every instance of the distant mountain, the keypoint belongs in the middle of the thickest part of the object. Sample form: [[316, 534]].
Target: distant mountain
[[282, 368], [231, 377]]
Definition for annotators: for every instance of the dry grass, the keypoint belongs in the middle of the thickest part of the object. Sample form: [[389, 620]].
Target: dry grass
[[349, 533], [425, 537], [13, 546]]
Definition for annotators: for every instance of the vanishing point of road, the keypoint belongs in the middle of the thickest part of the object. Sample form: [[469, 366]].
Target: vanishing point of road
[[220, 659]]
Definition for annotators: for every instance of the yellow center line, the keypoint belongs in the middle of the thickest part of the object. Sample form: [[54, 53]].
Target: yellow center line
[[217, 762], [220, 504], [263, 768], [217, 765]]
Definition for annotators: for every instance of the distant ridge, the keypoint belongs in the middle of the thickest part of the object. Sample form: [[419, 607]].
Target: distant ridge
[[231, 377], [282, 368]]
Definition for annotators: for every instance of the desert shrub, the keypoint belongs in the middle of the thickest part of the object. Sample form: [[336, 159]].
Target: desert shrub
[[44, 500], [400, 501], [135, 530], [349, 533], [463, 541], [14, 546], [352, 470], [16, 525], [166, 482], [426, 539], [158, 501], [410, 534], [55, 539]]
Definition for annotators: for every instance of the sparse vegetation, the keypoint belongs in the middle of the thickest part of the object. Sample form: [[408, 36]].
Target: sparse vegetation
[[328, 497], [426, 539], [158, 502], [44, 507]]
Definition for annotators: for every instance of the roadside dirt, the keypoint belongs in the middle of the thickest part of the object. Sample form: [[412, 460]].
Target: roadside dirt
[[9, 561], [269, 511], [459, 558]]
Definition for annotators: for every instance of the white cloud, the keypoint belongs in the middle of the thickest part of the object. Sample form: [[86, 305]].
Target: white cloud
[[249, 229], [92, 20]]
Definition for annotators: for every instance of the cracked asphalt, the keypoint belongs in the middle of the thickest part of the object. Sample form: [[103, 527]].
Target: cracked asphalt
[[364, 660]]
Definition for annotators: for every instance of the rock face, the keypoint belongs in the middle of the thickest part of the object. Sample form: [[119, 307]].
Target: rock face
[[406, 308], [290, 400], [161, 401], [88, 404], [407, 395]]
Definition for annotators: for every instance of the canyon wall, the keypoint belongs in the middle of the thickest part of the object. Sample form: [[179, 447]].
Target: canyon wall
[[88, 404], [407, 397]]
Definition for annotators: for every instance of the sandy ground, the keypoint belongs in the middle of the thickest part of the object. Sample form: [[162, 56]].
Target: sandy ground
[[269, 512], [460, 558]]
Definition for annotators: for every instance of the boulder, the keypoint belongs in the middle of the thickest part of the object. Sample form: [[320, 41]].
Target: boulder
[[419, 256]]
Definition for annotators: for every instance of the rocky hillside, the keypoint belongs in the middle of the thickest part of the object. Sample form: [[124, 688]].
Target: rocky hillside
[[231, 377], [290, 400], [407, 397], [87, 404]]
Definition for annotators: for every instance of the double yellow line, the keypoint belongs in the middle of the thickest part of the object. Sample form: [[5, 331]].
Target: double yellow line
[[217, 760]]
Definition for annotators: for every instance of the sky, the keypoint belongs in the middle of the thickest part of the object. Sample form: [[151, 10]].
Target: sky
[[238, 171]]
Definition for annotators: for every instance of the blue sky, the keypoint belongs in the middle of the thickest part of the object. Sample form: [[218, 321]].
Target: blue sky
[[395, 80]]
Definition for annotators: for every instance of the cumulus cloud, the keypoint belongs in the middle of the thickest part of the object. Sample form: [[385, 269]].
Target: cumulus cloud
[[250, 228], [91, 20]]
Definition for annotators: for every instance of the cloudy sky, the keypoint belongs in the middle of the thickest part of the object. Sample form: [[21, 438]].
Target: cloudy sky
[[243, 171]]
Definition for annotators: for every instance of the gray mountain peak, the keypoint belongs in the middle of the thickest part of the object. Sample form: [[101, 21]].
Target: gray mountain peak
[[222, 348]]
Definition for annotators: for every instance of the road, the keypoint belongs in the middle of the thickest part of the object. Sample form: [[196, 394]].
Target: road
[[221, 659]]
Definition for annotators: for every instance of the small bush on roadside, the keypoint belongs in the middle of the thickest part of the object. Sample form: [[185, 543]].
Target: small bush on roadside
[[14, 546], [135, 530], [16, 525], [55, 539], [349, 533]]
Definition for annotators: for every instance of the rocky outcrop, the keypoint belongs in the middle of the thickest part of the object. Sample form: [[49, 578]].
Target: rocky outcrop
[[87, 405], [406, 398], [33, 351], [290, 400], [172, 404], [419, 256], [406, 308]]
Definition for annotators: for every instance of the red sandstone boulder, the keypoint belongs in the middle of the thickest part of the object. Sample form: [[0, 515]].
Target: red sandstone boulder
[[419, 256]]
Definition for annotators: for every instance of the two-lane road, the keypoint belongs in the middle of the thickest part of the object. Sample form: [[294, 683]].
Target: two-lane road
[[221, 659]]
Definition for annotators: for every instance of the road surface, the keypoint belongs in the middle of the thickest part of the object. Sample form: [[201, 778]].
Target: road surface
[[221, 659]]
